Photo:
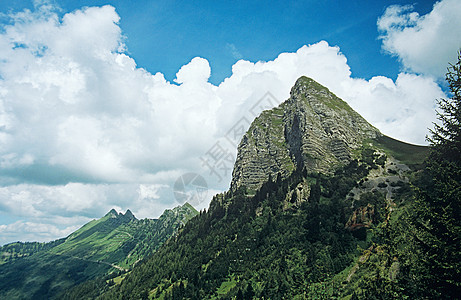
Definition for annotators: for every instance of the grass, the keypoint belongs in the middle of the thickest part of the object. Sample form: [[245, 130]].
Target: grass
[[119, 279], [411, 155], [226, 286]]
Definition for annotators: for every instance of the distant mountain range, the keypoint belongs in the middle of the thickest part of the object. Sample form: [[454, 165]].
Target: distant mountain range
[[109, 246]]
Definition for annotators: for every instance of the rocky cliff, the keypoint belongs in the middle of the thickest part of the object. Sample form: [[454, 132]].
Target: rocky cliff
[[313, 128]]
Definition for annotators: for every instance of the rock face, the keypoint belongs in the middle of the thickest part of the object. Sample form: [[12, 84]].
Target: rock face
[[361, 217], [313, 128]]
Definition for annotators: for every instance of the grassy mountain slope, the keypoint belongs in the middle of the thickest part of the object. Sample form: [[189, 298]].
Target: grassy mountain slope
[[411, 155], [112, 244]]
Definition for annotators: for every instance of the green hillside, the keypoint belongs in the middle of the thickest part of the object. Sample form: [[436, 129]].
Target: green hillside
[[110, 245]]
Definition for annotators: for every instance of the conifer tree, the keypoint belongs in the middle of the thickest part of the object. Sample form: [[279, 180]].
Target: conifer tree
[[437, 209]]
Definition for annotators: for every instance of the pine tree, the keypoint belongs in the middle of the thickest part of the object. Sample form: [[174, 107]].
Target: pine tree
[[437, 209]]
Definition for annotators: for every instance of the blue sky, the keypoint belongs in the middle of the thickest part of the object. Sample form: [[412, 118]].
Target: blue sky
[[164, 35], [106, 104]]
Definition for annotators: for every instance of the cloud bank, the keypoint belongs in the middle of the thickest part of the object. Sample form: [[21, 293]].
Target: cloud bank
[[83, 129]]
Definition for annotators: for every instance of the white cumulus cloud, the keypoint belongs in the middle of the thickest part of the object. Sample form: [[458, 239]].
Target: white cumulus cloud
[[424, 44]]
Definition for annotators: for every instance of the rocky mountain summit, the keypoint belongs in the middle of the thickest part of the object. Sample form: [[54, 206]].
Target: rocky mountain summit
[[313, 128]]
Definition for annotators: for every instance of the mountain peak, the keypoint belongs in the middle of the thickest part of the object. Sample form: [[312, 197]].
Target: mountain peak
[[313, 128], [309, 83], [189, 206], [112, 213], [129, 215], [313, 93], [185, 208]]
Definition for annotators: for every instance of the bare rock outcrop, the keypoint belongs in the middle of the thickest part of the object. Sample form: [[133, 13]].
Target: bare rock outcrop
[[313, 129]]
